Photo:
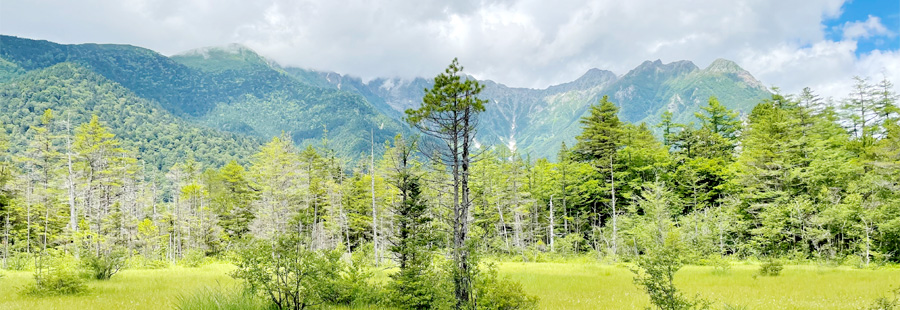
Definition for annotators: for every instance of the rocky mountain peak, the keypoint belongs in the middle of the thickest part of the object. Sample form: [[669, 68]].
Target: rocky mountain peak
[[724, 66]]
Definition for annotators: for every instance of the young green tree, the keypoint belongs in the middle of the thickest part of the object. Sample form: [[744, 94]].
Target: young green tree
[[276, 175], [232, 199], [410, 285], [719, 120]]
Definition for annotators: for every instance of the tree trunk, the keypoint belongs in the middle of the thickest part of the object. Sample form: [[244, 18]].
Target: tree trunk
[[552, 223], [503, 227], [374, 209], [615, 233]]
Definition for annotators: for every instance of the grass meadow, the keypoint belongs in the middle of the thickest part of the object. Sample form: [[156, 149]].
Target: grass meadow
[[580, 285]]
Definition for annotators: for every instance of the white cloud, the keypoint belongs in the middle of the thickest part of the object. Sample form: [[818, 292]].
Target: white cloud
[[532, 43], [864, 29]]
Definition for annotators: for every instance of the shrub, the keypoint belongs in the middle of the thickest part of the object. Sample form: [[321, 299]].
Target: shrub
[[421, 286], [721, 266], [886, 303], [234, 298], [350, 285], [494, 293], [771, 268], [568, 245], [655, 273], [59, 278], [193, 259], [19, 261], [294, 277], [103, 267]]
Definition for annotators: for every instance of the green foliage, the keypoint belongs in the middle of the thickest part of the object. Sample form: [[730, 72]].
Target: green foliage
[[655, 273], [352, 286], [142, 262], [193, 258], [721, 266], [495, 293], [886, 303], [60, 276], [420, 286], [771, 268], [140, 124], [103, 266], [601, 131], [719, 120], [292, 276]]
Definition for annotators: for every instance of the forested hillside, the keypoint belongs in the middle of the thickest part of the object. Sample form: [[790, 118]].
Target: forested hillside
[[244, 95], [148, 132]]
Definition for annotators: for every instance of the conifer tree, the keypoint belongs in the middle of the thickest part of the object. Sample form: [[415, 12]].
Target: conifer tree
[[598, 144], [449, 113]]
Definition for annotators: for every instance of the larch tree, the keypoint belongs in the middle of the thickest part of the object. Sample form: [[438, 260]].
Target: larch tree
[[98, 153], [860, 109]]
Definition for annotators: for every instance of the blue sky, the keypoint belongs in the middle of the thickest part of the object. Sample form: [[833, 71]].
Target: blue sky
[[888, 12]]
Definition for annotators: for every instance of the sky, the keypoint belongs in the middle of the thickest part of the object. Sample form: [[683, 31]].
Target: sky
[[788, 44]]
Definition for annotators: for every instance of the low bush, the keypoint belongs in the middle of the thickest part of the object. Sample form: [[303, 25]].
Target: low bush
[[569, 244], [351, 286], [495, 293], [886, 303], [771, 268], [292, 276], [422, 285], [60, 277], [19, 261], [720, 265], [104, 266]]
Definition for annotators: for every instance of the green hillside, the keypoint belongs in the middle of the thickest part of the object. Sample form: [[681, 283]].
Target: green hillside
[[231, 89], [151, 133]]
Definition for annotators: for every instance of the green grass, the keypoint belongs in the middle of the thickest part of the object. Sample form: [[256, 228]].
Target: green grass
[[596, 286], [129, 289], [559, 285]]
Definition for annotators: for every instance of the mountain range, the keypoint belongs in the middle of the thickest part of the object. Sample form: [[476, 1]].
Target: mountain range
[[231, 92]]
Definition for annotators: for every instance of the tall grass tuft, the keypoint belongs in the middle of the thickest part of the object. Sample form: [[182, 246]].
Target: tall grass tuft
[[222, 298]]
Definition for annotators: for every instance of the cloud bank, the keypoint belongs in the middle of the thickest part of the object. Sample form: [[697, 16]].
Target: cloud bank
[[527, 43]]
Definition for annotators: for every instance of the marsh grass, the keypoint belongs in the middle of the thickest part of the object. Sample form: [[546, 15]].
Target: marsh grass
[[130, 289], [597, 286], [569, 285], [232, 297]]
